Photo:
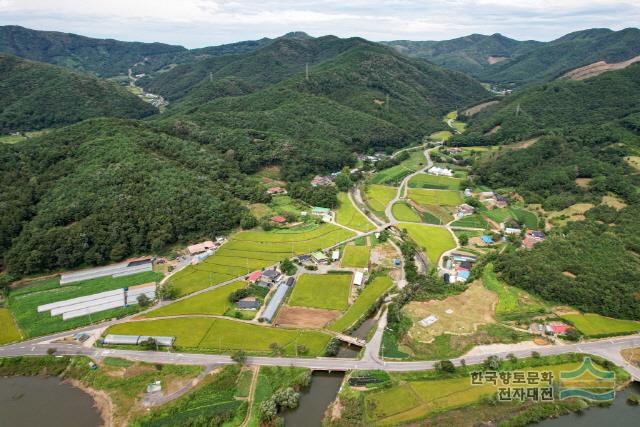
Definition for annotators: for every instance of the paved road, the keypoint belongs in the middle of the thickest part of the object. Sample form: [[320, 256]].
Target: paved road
[[607, 348]]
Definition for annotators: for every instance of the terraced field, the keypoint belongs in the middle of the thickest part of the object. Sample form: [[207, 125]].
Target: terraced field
[[356, 256], [370, 294], [396, 173], [403, 212], [471, 221], [434, 240], [226, 336], [435, 197], [327, 291], [349, 216], [424, 180], [379, 196], [248, 251], [214, 302]]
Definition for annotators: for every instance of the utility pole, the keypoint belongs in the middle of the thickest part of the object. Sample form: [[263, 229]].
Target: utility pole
[[517, 110], [210, 76], [387, 103], [306, 71]]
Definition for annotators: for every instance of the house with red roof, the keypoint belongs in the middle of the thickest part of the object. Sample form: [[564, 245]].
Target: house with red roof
[[253, 277], [279, 219], [276, 190]]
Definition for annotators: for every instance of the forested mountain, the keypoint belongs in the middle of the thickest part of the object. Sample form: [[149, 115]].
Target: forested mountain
[[557, 105], [269, 64], [103, 57], [104, 189], [471, 54], [35, 95], [501, 60], [592, 265], [108, 57], [359, 96], [574, 50]]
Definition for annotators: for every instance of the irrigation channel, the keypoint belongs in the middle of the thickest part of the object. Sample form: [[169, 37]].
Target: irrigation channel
[[37, 401]]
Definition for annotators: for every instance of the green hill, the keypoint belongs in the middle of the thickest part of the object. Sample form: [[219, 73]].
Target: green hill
[[359, 96], [104, 189], [471, 54], [555, 58], [507, 62], [557, 105], [36, 96]]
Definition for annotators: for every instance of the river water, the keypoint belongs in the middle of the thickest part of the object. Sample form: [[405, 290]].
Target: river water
[[39, 401], [315, 400], [619, 414]]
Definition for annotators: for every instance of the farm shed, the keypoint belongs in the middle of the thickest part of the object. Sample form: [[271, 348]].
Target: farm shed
[[271, 275], [320, 258], [115, 270], [160, 340], [274, 303], [358, 277], [121, 339], [318, 211], [200, 247]]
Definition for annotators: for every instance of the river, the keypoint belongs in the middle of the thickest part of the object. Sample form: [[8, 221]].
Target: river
[[39, 401], [619, 414], [315, 400]]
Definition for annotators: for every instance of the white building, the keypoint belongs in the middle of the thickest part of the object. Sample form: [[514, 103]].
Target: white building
[[440, 171], [358, 278]]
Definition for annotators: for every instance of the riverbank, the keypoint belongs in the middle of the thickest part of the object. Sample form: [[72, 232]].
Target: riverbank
[[102, 401]]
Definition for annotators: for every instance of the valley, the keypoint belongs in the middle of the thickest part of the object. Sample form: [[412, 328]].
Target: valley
[[320, 210]]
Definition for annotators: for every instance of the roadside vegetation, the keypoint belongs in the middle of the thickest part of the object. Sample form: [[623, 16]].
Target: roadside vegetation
[[349, 216]]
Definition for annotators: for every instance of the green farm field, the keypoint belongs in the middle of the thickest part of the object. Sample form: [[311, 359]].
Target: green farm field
[[396, 173], [24, 302], [434, 240], [328, 291], [594, 325], [379, 196], [213, 302], [471, 221], [403, 212], [355, 256], [369, 295], [435, 197], [442, 135], [226, 336], [529, 219], [416, 395], [424, 180], [248, 251], [9, 331], [513, 303], [349, 216]]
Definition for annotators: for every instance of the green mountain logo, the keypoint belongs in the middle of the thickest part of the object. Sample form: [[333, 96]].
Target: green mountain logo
[[588, 382]]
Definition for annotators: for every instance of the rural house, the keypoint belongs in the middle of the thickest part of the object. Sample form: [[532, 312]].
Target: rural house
[[200, 247], [440, 171], [321, 180], [276, 190], [248, 303]]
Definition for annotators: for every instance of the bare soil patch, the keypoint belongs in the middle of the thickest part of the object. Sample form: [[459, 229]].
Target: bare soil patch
[[634, 161], [384, 255], [597, 68], [477, 108], [458, 315], [613, 201], [583, 182], [303, 317]]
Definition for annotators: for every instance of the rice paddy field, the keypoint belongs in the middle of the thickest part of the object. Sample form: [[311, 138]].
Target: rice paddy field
[[594, 325], [424, 180], [396, 173], [23, 302], [529, 219], [403, 212], [355, 256], [471, 221], [443, 135], [9, 331], [248, 251], [379, 196], [412, 398], [327, 291], [367, 298], [349, 216], [213, 302], [433, 240], [435, 197], [224, 336]]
